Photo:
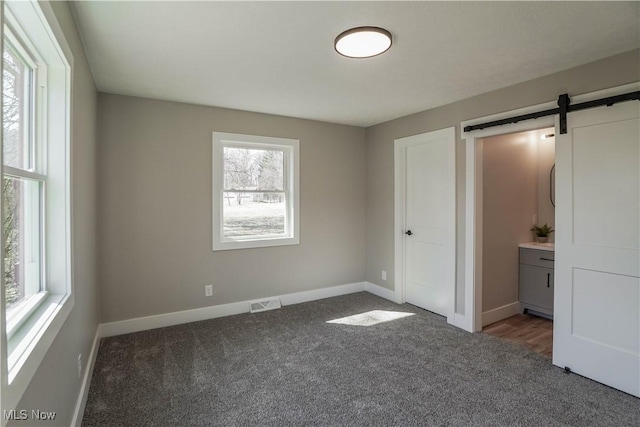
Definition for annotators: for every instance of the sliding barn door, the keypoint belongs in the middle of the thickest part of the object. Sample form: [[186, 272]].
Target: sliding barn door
[[597, 285]]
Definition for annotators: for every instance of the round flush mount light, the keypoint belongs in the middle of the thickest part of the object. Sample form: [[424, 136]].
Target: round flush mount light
[[363, 42]]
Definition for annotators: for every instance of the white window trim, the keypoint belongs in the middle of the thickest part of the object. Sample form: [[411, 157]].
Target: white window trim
[[22, 354], [292, 182]]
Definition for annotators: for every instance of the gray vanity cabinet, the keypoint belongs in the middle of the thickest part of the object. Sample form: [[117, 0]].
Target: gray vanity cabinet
[[536, 280]]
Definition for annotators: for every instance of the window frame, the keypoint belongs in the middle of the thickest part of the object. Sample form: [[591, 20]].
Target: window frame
[[35, 170], [21, 352], [291, 188]]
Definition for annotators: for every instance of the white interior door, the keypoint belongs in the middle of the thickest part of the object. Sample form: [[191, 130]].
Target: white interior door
[[429, 239], [597, 289]]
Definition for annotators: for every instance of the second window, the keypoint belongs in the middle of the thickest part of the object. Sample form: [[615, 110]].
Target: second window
[[255, 191]]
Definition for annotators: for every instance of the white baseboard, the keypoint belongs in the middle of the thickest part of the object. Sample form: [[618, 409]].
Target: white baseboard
[[316, 294], [492, 316], [205, 313], [86, 380], [170, 319], [380, 291]]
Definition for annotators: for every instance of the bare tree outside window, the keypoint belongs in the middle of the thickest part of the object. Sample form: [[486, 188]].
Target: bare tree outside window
[[16, 130], [12, 82]]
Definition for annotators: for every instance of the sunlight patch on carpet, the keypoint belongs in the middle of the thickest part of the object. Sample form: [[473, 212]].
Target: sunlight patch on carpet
[[371, 318]]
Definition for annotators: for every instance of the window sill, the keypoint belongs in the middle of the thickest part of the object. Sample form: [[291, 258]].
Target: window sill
[[18, 316], [30, 343], [249, 244]]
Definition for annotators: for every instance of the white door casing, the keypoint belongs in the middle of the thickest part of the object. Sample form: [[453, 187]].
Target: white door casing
[[597, 285], [471, 319], [425, 204]]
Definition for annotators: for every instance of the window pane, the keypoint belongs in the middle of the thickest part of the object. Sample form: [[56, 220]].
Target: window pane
[[253, 214], [253, 169], [16, 109], [22, 242]]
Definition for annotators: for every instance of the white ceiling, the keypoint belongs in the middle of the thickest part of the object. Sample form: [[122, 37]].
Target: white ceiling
[[278, 57]]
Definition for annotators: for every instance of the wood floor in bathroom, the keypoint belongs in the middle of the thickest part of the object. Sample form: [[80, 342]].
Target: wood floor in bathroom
[[533, 332]]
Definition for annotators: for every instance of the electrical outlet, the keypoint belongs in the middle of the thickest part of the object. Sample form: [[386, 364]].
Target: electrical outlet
[[384, 275], [208, 290], [535, 219], [80, 366]]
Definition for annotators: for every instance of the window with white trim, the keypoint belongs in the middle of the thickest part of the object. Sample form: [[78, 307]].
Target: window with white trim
[[23, 183], [255, 191], [36, 202]]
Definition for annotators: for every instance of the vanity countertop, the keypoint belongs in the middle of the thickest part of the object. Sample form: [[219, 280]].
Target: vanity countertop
[[540, 246]]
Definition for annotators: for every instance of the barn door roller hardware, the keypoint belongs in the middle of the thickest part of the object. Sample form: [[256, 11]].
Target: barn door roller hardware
[[564, 107]]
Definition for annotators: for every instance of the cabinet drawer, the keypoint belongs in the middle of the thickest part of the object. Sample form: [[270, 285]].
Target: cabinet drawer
[[536, 286], [536, 257]]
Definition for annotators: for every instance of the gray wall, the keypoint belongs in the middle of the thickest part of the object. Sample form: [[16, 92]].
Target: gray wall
[[55, 386], [155, 209], [509, 201], [613, 71]]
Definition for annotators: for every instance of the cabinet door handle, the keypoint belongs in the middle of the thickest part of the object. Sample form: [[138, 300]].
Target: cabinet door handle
[[546, 259], [548, 279]]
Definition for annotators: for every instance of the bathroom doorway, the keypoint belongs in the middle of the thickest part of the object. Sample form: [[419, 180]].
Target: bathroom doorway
[[516, 173]]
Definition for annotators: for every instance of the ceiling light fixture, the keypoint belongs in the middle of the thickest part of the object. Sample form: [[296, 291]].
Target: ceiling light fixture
[[363, 42]]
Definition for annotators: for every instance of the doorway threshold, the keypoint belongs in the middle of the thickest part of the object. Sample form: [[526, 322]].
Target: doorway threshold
[[527, 330]]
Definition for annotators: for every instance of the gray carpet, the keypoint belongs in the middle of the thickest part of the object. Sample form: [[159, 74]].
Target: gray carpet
[[291, 367]]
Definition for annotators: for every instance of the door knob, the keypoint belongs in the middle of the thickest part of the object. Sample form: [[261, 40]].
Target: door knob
[[408, 233]]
